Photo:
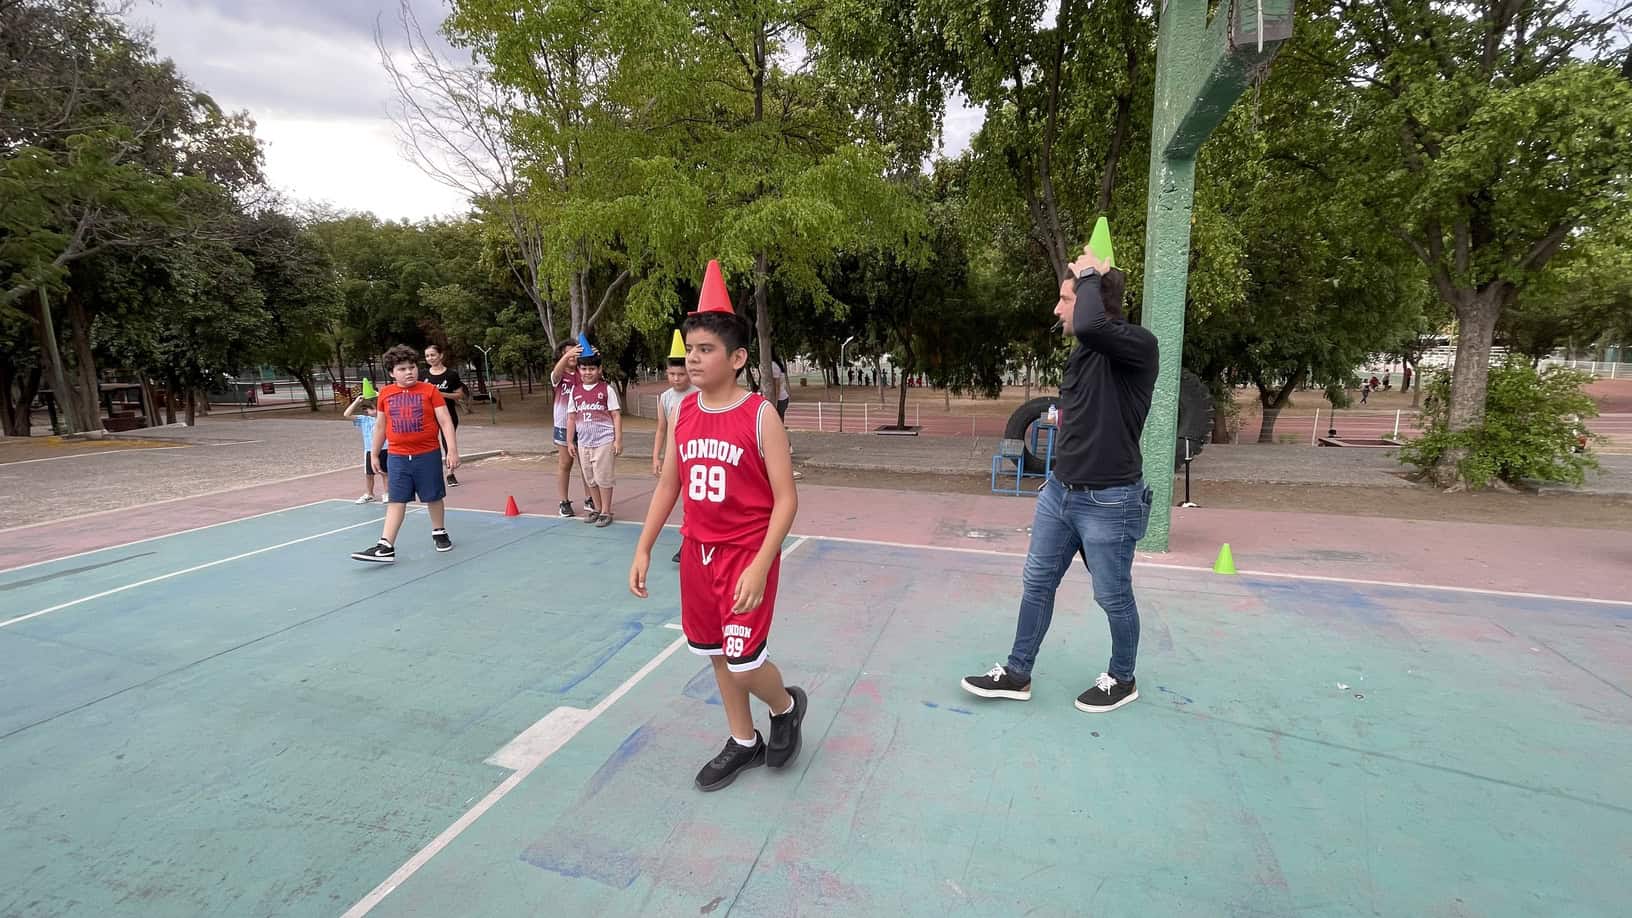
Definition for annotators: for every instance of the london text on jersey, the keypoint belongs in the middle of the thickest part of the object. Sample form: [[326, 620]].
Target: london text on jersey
[[710, 448]]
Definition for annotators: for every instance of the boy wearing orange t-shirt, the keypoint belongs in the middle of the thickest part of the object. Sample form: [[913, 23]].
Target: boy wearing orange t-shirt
[[411, 414]]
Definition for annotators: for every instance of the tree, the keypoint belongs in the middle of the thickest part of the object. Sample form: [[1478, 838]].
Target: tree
[[105, 148], [1483, 136], [296, 280]]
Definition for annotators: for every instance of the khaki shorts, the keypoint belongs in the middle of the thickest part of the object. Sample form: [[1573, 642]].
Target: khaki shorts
[[599, 465]]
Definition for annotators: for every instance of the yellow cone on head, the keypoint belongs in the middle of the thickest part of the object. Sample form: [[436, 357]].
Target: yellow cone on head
[[1100, 242], [368, 389], [1226, 561], [677, 350]]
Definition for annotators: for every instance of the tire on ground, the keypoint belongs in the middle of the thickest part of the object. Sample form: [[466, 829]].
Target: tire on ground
[[1195, 421]]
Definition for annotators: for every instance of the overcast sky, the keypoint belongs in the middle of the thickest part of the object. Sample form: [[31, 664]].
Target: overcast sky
[[307, 71]]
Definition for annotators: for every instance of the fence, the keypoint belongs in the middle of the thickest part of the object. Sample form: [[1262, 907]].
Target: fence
[[1604, 368]]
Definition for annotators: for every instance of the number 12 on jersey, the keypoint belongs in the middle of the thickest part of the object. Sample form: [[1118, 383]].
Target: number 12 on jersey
[[707, 483]]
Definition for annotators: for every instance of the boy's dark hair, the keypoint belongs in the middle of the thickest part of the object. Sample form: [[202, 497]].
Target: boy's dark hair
[[677, 362], [590, 360], [732, 329], [562, 348], [400, 354], [1113, 287]]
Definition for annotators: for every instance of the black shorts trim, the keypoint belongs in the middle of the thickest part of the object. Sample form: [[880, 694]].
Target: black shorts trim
[[747, 662]]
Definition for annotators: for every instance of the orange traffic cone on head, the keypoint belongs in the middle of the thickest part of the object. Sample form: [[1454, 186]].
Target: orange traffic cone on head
[[510, 508]]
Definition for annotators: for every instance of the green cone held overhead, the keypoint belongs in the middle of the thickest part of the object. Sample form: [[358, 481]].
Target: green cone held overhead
[[1100, 242], [368, 389]]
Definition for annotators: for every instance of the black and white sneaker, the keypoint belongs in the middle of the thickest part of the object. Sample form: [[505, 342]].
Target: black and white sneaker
[[453, 480], [589, 504], [676, 558], [592, 517], [997, 683], [566, 510], [380, 552], [440, 537], [735, 757], [783, 746], [1107, 695]]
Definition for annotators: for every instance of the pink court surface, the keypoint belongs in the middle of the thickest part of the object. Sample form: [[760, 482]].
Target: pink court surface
[[212, 710]]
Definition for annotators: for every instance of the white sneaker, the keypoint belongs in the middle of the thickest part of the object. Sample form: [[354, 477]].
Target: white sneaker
[[365, 499]]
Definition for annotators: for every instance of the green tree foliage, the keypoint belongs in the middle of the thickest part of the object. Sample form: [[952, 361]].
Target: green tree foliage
[[1532, 421], [1484, 136]]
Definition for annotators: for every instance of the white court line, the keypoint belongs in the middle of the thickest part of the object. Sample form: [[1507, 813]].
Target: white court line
[[171, 500], [1156, 565], [525, 753], [189, 570], [100, 452], [473, 457], [561, 725], [92, 551]]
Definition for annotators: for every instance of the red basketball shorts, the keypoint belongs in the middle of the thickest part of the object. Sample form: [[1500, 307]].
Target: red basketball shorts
[[708, 583]]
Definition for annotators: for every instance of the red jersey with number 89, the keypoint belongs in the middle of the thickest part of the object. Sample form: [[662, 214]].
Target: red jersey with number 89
[[722, 472]]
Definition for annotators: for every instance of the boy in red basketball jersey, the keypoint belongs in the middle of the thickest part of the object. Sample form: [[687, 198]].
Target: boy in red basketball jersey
[[728, 453]]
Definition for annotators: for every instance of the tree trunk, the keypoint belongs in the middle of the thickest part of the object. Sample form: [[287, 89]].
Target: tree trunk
[[192, 405], [1273, 402], [15, 413], [1221, 420], [170, 395], [762, 316], [64, 397], [901, 401], [85, 363], [307, 382], [1470, 375], [150, 402]]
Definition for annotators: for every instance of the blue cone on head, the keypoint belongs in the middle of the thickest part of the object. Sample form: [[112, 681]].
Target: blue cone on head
[[583, 342]]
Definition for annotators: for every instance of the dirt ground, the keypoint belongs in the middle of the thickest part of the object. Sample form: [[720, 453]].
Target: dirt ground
[[1552, 510]]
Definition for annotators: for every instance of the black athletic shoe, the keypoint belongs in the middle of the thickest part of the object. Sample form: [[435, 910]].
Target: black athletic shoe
[[676, 558], [783, 746], [722, 769], [453, 480], [440, 537], [997, 683], [589, 503], [1107, 695], [592, 517], [566, 510], [380, 552]]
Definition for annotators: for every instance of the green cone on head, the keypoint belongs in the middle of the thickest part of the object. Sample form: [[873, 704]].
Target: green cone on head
[[1100, 242]]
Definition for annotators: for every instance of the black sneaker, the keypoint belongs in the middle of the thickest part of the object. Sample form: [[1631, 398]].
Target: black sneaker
[[676, 558], [566, 510], [1107, 695], [453, 480], [589, 504], [997, 683], [592, 517], [380, 552], [735, 757], [783, 746], [440, 537]]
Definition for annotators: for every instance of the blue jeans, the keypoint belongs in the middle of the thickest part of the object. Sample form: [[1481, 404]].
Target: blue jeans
[[1101, 526]]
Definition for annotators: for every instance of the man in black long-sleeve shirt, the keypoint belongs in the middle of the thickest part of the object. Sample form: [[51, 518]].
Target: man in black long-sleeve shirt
[[1095, 504]]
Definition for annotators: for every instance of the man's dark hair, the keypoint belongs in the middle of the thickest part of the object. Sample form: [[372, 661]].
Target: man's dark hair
[[400, 354], [1113, 286], [731, 328]]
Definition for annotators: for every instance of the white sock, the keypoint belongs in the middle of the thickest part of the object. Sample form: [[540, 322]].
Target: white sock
[[747, 743], [791, 705]]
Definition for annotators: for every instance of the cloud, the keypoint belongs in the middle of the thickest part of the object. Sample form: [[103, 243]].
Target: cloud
[[309, 73]]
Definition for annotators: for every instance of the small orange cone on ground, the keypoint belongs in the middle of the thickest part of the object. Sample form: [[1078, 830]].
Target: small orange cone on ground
[[510, 508], [1226, 561]]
